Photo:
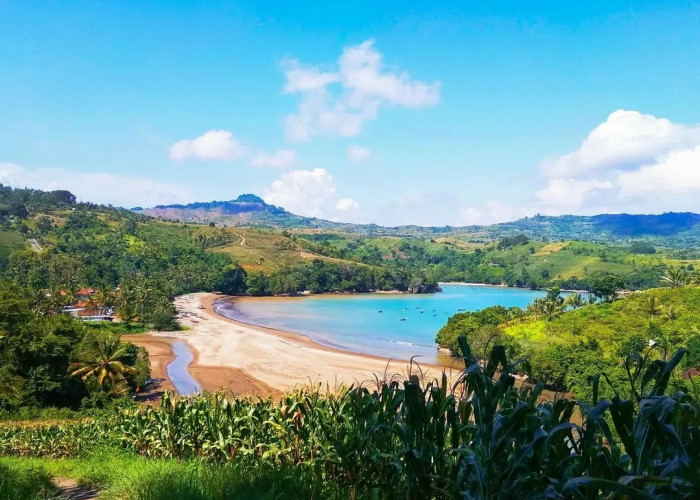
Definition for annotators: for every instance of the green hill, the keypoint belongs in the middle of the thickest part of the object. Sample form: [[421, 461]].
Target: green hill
[[668, 229]]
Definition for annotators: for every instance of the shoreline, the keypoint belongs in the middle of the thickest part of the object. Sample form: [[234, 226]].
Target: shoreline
[[210, 304], [230, 354], [209, 378]]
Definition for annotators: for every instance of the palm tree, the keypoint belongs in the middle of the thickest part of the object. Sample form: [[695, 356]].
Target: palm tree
[[676, 277], [575, 300], [651, 306], [142, 295], [695, 280], [671, 314], [104, 296], [107, 366]]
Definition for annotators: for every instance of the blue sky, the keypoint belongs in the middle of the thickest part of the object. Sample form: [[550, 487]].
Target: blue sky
[[387, 112]]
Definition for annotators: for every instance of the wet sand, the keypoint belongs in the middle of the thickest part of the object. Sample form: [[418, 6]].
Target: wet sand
[[210, 378], [247, 359]]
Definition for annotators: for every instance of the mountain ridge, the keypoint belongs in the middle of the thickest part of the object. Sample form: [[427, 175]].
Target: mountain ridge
[[251, 210]]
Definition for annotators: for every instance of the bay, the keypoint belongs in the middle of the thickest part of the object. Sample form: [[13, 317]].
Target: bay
[[395, 326]]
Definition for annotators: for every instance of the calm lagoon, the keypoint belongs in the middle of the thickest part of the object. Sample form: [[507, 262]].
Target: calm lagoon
[[393, 326]]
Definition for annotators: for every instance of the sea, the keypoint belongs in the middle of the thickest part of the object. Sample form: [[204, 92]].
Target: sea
[[398, 326]]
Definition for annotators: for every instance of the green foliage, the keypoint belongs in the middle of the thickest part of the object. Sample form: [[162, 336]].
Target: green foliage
[[642, 247], [481, 437], [605, 287], [511, 241], [17, 481], [37, 350], [479, 328]]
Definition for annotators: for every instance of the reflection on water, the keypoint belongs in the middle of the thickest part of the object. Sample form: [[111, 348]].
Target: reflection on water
[[177, 370], [394, 326]]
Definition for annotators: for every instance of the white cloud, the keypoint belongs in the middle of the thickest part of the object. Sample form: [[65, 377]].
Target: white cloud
[[300, 79], [279, 159], [569, 193], [625, 140], [632, 162], [96, 187], [303, 192], [339, 102], [358, 154], [676, 174], [211, 145], [346, 204]]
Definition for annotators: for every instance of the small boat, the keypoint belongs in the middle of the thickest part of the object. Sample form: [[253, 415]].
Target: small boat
[[460, 309], [380, 311], [402, 319]]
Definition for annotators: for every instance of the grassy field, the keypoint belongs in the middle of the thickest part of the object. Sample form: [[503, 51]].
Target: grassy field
[[268, 250], [120, 475], [11, 241]]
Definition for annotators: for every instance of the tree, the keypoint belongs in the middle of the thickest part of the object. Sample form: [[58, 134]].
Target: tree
[[233, 281], [605, 287], [575, 300], [651, 306], [107, 364], [676, 277], [257, 284]]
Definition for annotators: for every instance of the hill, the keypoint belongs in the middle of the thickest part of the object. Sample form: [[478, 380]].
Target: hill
[[668, 229], [246, 210], [110, 243]]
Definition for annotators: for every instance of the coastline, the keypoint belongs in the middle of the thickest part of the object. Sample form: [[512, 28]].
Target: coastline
[[445, 359], [247, 359]]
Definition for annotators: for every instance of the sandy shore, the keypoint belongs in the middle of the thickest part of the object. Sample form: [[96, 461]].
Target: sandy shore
[[255, 360]]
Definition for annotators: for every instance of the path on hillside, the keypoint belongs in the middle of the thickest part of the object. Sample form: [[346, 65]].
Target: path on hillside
[[242, 243], [69, 489], [35, 246]]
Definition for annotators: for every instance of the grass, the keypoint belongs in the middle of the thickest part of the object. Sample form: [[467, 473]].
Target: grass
[[116, 328], [610, 324], [122, 475], [25, 480], [267, 251], [11, 241]]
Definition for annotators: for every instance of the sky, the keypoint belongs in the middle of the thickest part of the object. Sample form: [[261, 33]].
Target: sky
[[431, 113]]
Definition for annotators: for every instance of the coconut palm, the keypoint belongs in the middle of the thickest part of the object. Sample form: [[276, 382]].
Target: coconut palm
[[575, 300], [676, 277], [108, 365], [651, 306], [671, 314], [104, 296]]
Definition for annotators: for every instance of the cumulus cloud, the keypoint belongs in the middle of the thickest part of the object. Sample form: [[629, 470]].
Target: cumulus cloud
[[625, 140], [629, 163], [279, 159], [568, 194], [676, 173], [303, 192], [340, 101], [96, 187], [344, 204], [211, 145], [358, 154]]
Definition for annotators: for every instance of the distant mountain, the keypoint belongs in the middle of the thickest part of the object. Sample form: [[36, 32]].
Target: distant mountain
[[246, 210], [670, 227], [250, 210]]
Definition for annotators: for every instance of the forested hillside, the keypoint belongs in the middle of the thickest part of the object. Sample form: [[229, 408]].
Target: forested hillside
[[567, 340], [669, 229]]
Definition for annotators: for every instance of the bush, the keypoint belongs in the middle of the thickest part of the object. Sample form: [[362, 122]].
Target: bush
[[17, 482]]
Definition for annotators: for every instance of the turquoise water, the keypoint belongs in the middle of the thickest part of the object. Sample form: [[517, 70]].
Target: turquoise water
[[405, 327]]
